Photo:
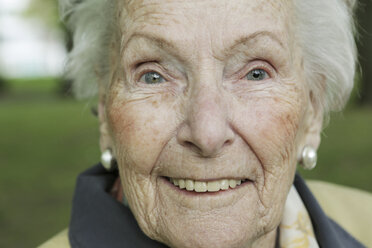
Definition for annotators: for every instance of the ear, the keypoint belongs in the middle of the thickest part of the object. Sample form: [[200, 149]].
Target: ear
[[313, 124], [105, 137]]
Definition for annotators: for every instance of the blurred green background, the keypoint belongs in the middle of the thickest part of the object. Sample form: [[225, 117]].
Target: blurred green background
[[47, 138]]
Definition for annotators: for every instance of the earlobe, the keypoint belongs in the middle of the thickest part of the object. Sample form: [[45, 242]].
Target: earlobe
[[105, 138], [313, 125]]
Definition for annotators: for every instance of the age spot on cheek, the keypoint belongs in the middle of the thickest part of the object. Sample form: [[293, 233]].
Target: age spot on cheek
[[155, 132], [155, 103]]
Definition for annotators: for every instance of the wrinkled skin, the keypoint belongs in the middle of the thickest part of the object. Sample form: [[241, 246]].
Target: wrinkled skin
[[206, 120]]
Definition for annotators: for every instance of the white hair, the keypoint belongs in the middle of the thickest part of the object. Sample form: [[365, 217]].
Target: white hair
[[92, 23], [325, 31]]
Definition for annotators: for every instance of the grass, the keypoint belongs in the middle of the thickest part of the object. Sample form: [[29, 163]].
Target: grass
[[345, 153], [47, 140]]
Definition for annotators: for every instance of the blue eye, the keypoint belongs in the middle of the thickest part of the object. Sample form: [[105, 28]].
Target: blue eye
[[152, 78], [257, 74]]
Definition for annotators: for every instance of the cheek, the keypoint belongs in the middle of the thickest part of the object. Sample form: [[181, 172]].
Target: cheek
[[279, 128], [140, 130], [270, 124]]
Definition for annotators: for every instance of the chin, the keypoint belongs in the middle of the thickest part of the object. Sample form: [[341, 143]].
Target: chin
[[229, 218], [211, 230]]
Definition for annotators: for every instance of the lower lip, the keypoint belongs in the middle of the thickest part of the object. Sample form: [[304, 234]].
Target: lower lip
[[194, 193]]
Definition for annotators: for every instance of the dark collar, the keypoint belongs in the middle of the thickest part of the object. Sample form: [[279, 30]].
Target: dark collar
[[328, 233], [98, 220]]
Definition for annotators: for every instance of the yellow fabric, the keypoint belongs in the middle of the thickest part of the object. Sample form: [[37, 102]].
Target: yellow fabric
[[296, 229], [58, 241], [351, 208]]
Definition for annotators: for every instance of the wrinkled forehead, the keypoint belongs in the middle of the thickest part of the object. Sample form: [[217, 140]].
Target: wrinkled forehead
[[216, 20]]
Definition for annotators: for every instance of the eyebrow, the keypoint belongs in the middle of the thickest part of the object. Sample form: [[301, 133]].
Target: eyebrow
[[170, 46], [159, 41], [250, 37]]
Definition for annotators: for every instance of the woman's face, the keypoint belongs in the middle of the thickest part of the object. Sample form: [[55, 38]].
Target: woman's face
[[211, 92]]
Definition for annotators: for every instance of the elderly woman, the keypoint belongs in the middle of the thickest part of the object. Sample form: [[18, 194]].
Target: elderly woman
[[205, 108]]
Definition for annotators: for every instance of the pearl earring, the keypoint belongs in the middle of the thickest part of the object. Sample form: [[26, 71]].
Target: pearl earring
[[308, 158], [107, 160]]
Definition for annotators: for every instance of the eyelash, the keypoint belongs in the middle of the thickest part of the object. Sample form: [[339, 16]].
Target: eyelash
[[269, 69], [154, 72], [243, 73], [257, 75], [148, 69]]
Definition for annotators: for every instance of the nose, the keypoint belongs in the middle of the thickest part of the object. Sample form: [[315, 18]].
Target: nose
[[207, 127]]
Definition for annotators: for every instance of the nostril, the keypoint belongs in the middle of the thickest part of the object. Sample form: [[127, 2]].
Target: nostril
[[188, 144], [206, 149], [206, 136], [192, 146], [228, 142]]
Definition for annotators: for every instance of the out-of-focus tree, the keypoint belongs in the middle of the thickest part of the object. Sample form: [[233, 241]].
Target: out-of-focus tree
[[3, 83], [364, 15], [47, 12]]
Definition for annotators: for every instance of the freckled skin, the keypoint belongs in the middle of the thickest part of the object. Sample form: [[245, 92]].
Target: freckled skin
[[207, 120]]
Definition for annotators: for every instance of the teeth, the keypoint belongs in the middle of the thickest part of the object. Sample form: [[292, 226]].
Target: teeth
[[200, 186], [181, 182], [189, 185], [232, 183], [214, 186], [210, 186], [224, 184]]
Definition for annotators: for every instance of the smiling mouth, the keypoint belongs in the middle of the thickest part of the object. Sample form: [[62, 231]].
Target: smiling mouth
[[203, 186]]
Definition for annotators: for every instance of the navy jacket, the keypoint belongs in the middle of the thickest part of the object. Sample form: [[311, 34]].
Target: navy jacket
[[98, 220]]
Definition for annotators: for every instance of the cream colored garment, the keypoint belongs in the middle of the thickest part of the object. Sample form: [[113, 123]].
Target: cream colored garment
[[60, 240], [296, 230], [349, 207]]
